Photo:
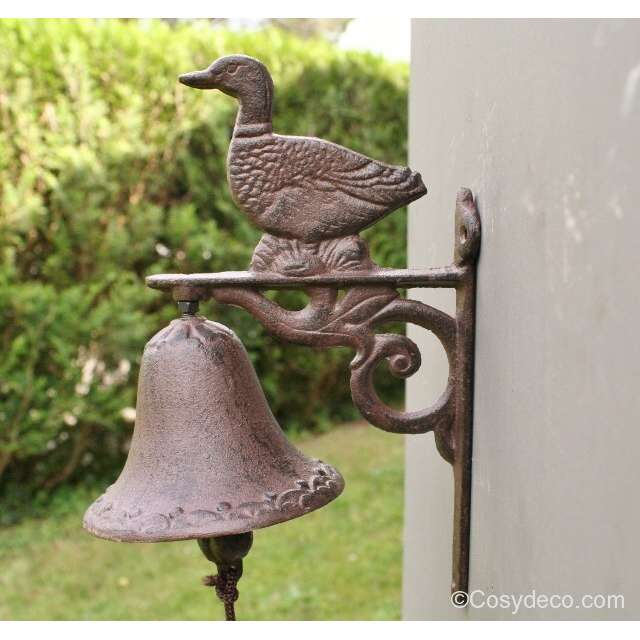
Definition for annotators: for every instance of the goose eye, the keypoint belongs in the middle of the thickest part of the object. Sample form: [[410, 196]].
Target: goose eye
[[232, 68]]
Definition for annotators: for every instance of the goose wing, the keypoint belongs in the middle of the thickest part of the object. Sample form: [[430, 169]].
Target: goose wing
[[275, 164], [322, 165]]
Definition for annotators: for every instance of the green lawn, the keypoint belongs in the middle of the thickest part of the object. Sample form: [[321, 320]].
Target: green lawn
[[342, 562]]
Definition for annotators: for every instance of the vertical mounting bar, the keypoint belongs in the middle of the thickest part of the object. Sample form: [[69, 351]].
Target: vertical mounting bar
[[463, 429]]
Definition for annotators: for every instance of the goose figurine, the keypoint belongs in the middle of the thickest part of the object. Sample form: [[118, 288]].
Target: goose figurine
[[297, 187]]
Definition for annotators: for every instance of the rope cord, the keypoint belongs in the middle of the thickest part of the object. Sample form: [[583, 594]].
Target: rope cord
[[225, 584]]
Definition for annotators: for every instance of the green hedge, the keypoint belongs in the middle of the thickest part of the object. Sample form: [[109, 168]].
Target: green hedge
[[110, 171]]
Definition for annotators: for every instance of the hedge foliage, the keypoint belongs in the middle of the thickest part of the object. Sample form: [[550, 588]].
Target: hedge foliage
[[110, 171]]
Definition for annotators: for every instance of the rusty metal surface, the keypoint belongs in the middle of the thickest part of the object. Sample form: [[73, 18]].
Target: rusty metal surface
[[445, 277], [467, 247], [292, 186], [312, 197], [330, 321], [207, 457]]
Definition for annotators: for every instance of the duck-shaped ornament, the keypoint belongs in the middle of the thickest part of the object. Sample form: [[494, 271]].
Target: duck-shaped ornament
[[295, 187]]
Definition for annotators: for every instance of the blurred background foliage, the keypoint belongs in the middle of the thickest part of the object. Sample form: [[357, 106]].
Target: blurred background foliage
[[110, 171]]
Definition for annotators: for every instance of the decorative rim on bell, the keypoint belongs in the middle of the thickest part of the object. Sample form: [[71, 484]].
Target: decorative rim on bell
[[104, 520]]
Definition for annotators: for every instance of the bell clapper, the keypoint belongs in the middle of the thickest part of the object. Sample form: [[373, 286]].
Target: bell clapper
[[226, 552]]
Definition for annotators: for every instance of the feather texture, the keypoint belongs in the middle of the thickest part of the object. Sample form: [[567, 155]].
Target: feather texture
[[312, 189]]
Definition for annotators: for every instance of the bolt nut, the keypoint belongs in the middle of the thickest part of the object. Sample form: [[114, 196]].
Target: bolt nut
[[188, 307]]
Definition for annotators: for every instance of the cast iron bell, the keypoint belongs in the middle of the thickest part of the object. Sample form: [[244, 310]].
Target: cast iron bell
[[207, 459]]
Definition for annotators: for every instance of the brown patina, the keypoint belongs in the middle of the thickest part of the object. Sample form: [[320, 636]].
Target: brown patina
[[208, 461]]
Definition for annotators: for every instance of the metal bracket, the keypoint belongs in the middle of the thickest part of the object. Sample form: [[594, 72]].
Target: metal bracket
[[324, 268]]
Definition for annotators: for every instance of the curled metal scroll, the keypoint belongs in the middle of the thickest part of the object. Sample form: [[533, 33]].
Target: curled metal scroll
[[325, 268], [329, 320]]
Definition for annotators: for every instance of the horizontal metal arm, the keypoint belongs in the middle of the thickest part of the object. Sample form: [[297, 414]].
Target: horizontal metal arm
[[445, 277]]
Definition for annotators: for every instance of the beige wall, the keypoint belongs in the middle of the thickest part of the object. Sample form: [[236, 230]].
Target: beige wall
[[542, 120]]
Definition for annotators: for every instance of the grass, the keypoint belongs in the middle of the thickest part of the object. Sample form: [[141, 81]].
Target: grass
[[342, 562]]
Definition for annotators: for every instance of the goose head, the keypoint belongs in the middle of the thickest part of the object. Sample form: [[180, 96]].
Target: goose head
[[236, 75]]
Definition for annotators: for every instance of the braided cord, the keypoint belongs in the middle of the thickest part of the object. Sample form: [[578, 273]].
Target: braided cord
[[225, 584]]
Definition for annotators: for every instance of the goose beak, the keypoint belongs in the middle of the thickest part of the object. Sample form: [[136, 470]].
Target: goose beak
[[199, 79]]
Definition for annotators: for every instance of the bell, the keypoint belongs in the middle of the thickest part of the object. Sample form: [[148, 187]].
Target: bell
[[208, 459]]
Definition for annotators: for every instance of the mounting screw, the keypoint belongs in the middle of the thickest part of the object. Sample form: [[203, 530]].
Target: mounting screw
[[188, 307]]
